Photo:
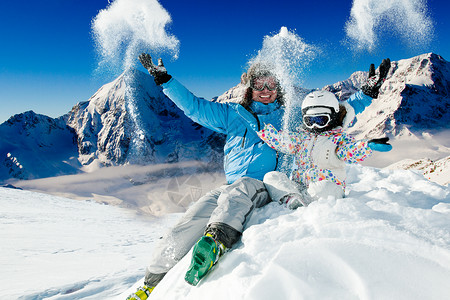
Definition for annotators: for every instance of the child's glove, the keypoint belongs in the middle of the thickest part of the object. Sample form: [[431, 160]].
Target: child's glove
[[374, 81], [293, 202], [158, 72], [380, 145], [296, 200]]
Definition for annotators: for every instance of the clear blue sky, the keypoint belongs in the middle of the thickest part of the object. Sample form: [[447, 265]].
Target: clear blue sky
[[48, 58]]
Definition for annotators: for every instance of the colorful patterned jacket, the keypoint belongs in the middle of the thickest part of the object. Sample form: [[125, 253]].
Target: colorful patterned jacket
[[316, 158]]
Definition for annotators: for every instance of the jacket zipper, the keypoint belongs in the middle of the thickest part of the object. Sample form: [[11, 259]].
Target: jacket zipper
[[276, 164], [243, 138], [257, 121], [256, 117]]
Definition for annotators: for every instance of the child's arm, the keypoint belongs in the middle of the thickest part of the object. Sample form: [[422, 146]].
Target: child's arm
[[351, 150], [286, 142]]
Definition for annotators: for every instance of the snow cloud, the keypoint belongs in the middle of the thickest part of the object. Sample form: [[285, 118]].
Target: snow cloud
[[290, 57], [128, 27], [369, 19], [288, 52]]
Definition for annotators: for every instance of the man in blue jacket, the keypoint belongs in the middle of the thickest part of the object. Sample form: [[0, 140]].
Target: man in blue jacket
[[216, 221]]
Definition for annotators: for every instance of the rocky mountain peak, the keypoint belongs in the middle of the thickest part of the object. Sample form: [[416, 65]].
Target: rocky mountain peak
[[131, 120]]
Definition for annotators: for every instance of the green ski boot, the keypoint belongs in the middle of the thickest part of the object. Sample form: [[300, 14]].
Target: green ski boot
[[205, 255]]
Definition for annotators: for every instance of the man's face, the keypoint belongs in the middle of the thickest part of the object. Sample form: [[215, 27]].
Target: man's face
[[264, 89]]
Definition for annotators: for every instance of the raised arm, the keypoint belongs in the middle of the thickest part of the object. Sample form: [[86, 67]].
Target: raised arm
[[370, 90], [212, 115], [353, 151], [286, 142]]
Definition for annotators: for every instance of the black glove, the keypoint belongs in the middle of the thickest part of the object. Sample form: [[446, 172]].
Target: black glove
[[158, 72], [380, 145], [374, 81]]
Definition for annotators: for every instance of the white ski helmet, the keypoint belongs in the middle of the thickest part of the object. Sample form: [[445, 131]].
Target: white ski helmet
[[320, 111], [320, 99]]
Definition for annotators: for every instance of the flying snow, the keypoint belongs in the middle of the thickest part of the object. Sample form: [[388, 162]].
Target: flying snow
[[122, 31], [128, 27], [290, 56], [371, 18]]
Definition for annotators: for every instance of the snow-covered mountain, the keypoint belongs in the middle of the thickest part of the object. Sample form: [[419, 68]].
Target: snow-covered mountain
[[128, 120], [234, 94], [344, 89], [33, 145]]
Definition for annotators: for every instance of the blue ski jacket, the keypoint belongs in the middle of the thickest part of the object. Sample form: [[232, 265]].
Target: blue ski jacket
[[246, 155]]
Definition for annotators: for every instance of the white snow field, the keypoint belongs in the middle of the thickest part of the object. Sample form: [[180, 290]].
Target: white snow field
[[58, 248], [388, 239]]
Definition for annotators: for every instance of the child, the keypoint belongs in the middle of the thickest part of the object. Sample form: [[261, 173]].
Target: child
[[321, 150]]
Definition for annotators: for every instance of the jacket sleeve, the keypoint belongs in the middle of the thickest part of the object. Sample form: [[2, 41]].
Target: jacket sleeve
[[212, 115], [351, 150], [286, 142], [359, 101]]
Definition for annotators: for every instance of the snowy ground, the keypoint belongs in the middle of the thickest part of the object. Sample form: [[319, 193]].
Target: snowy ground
[[59, 248], [388, 239]]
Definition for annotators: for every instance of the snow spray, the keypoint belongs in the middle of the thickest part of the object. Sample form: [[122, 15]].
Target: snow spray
[[407, 18], [121, 32], [128, 27], [290, 57]]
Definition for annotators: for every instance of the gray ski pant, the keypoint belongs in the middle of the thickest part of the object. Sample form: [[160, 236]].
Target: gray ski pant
[[223, 212]]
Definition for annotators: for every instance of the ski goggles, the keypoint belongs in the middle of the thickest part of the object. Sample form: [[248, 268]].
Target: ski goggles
[[318, 121], [258, 84]]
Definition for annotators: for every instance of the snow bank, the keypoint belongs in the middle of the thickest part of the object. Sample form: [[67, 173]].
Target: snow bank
[[57, 248], [389, 239]]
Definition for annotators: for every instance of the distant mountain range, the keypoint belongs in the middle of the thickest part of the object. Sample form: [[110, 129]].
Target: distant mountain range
[[33, 145], [130, 121]]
